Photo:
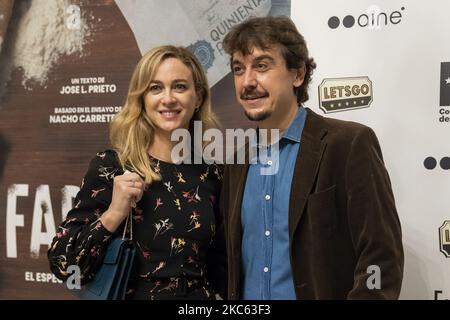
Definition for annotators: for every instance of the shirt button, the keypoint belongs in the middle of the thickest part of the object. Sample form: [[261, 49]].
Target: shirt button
[[267, 233], [269, 162], [267, 197], [266, 269]]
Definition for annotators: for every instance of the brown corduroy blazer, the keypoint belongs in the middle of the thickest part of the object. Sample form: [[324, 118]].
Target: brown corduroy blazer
[[342, 216]]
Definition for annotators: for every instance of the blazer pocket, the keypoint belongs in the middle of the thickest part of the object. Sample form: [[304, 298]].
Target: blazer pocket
[[321, 208]]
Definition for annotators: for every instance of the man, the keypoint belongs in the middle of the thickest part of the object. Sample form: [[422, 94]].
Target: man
[[325, 225]]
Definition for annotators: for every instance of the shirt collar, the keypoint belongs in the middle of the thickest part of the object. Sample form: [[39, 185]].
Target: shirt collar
[[294, 131]]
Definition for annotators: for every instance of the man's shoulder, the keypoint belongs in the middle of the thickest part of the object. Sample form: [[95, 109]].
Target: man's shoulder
[[334, 128]]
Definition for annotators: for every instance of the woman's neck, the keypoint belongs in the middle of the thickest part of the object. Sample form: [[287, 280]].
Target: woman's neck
[[161, 147]]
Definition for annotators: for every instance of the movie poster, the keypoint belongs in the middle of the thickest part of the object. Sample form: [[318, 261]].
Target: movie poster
[[64, 72]]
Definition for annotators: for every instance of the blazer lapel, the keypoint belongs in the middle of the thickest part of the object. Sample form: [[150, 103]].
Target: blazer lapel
[[240, 174], [235, 226], [312, 147]]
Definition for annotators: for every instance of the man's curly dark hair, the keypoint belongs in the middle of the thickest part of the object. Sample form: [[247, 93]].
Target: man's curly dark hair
[[264, 33]]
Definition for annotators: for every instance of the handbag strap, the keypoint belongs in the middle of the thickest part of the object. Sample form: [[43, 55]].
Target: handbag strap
[[128, 227], [129, 222]]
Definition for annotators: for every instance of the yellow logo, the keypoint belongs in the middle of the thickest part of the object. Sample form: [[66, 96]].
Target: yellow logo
[[444, 238], [341, 94]]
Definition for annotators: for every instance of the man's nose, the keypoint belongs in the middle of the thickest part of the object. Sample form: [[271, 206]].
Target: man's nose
[[250, 79]]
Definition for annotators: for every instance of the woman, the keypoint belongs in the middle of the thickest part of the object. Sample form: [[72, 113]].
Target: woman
[[176, 225]]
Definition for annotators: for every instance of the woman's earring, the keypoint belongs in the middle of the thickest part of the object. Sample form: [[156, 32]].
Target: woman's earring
[[196, 109]]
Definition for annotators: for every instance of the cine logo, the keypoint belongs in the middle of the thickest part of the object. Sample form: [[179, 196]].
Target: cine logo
[[74, 280]]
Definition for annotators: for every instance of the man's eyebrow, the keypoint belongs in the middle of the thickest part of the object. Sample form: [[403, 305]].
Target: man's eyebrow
[[257, 59], [264, 57]]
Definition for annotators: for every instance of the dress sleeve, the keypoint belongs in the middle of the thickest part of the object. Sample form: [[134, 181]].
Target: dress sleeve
[[217, 256], [81, 239]]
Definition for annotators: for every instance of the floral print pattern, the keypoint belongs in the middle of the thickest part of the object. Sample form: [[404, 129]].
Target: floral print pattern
[[180, 253]]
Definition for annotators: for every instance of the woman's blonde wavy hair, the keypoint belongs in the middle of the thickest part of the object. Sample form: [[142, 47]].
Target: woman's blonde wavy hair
[[131, 131]]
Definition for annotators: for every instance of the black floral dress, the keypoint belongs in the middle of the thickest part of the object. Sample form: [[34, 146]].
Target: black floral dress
[[177, 231]]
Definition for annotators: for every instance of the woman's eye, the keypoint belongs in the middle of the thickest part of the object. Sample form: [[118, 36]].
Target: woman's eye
[[180, 86], [155, 87]]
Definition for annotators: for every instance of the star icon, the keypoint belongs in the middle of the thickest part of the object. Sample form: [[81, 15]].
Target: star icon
[[447, 81]]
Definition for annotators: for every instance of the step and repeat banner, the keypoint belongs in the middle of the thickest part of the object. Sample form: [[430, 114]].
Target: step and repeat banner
[[386, 64], [64, 72]]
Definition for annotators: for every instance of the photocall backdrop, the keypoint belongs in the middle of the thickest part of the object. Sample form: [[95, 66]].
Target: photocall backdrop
[[64, 72]]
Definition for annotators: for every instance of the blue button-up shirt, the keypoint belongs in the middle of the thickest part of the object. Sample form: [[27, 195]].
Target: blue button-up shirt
[[265, 212]]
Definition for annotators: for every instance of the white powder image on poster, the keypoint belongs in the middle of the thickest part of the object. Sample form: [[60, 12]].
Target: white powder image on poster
[[46, 31], [2, 17], [5, 11]]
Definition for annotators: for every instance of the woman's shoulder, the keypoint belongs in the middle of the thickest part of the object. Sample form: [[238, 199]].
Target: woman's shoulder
[[103, 167], [108, 154], [216, 169], [106, 159]]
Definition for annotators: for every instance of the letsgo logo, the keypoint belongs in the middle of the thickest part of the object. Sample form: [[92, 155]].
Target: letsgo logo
[[373, 18], [342, 94]]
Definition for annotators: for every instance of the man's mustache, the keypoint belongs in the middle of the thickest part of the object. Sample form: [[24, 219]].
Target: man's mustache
[[253, 94]]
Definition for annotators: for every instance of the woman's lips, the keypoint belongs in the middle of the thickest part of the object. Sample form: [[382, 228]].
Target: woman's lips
[[169, 114]]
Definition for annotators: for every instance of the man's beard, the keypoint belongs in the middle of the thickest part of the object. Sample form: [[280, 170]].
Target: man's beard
[[259, 116], [252, 93]]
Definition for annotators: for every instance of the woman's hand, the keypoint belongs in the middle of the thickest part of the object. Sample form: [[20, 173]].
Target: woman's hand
[[127, 191]]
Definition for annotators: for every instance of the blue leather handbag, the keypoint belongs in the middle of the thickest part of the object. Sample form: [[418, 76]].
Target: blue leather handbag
[[111, 280]]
